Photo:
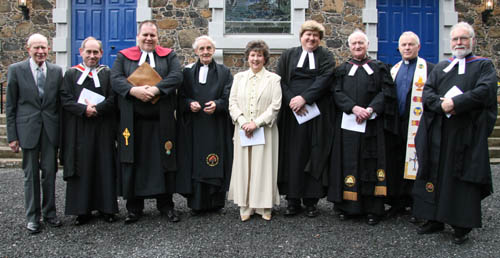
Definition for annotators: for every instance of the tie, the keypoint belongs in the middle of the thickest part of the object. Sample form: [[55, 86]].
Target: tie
[[40, 80]]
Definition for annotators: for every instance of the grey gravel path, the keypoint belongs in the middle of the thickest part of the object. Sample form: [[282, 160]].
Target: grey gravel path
[[223, 235]]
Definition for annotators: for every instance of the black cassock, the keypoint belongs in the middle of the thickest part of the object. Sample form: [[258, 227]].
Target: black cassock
[[358, 161], [88, 146], [304, 149], [454, 172], [205, 148], [399, 189]]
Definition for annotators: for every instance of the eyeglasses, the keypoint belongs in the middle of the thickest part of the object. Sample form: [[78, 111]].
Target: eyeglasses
[[461, 38]]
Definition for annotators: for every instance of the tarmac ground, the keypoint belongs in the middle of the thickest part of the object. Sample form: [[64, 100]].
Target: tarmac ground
[[222, 234]]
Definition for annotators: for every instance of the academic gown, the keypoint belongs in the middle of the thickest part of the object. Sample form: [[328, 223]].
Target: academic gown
[[304, 149], [204, 141], [358, 161], [399, 189], [148, 154], [454, 172], [88, 146]]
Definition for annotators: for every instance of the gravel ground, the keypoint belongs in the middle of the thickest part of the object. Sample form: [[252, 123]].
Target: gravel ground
[[223, 235]]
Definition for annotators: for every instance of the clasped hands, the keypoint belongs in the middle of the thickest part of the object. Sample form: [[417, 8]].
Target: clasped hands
[[209, 107], [448, 106], [298, 105], [249, 127], [144, 93], [361, 113]]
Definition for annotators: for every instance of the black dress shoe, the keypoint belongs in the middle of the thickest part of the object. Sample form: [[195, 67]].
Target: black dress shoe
[[132, 218], [312, 211], [110, 218], [460, 239], [430, 227], [33, 228], [292, 210], [82, 219], [372, 219], [413, 220], [171, 215], [53, 222]]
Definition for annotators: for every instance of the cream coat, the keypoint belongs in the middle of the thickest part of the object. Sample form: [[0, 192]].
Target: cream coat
[[255, 169]]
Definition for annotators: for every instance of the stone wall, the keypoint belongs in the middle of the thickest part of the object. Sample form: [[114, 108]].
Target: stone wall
[[180, 21]]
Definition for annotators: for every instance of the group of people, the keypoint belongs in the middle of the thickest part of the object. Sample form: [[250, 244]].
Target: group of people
[[362, 134]]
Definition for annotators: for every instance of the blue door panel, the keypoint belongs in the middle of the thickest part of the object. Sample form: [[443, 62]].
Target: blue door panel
[[397, 16], [111, 21]]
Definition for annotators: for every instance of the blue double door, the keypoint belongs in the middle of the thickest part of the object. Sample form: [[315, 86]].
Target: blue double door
[[111, 21], [398, 16]]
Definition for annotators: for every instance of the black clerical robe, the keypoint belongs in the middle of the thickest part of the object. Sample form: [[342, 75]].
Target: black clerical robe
[[454, 172], [399, 189], [358, 160], [205, 145], [304, 149], [88, 145], [147, 145]]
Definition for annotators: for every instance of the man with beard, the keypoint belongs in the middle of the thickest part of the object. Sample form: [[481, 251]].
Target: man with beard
[[460, 110], [88, 137], [204, 131], [365, 95], [147, 146], [409, 75], [303, 148]]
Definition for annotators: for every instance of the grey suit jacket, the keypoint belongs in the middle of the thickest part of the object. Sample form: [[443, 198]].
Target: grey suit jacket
[[26, 113]]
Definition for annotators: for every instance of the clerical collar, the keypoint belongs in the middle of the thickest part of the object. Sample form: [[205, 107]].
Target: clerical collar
[[461, 65], [302, 58], [202, 75], [412, 61], [356, 64], [145, 54], [90, 72]]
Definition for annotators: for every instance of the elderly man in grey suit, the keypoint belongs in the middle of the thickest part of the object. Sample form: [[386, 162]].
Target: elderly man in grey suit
[[33, 124]]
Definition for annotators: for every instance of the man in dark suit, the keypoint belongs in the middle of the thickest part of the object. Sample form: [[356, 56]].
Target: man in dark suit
[[33, 124], [147, 147]]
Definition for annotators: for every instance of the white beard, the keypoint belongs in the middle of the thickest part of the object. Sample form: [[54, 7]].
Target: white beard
[[461, 53]]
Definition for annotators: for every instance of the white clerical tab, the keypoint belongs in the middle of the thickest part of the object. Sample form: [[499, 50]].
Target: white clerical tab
[[302, 59], [84, 75], [461, 66], [97, 84], [202, 77], [368, 69], [451, 65], [312, 65], [353, 70], [151, 58]]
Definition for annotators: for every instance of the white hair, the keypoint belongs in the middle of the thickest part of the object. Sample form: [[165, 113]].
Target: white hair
[[465, 26], [36, 37], [357, 32], [409, 34], [197, 40]]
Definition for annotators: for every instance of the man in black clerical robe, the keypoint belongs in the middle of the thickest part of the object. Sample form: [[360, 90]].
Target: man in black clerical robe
[[454, 172], [204, 131], [409, 76], [364, 92], [88, 137], [306, 73], [147, 145]]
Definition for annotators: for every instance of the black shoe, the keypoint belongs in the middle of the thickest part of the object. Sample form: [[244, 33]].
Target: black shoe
[[312, 211], [53, 222], [33, 228], [82, 219], [171, 215], [460, 239], [110, 218], [292, 210], [413, 220], [372, 219], [430, 227], [132, 218]]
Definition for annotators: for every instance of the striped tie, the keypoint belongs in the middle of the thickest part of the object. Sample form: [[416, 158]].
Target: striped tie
[[40, 80]]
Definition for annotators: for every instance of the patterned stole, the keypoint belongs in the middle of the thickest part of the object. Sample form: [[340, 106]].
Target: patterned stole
[[416, 110]]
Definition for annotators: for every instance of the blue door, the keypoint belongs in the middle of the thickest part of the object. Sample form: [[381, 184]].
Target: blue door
[[398, 16], [111, 21]]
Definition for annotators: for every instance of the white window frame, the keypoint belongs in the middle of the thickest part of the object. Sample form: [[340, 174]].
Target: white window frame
[[236, 43]]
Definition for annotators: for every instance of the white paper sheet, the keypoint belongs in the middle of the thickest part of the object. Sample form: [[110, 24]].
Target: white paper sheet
[[349, 123], [312, 112], [454, 91], [258, 138], [91, 96]]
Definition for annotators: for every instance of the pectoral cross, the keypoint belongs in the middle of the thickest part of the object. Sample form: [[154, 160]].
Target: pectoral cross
[[126, 134]]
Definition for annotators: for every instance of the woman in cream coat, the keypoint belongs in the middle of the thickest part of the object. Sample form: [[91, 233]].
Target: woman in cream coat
[[254, 102]]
